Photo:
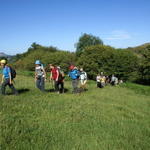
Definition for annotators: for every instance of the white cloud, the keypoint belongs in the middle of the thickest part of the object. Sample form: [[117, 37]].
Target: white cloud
[[118, 35]]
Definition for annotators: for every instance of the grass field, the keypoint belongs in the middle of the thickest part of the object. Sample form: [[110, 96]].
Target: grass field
[[113, 118]]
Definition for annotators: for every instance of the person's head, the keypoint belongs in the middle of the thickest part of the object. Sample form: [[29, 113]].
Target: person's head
[[51, 66], [101, 73], [37, 63], [81, 69], [3, 62], [71, 67]]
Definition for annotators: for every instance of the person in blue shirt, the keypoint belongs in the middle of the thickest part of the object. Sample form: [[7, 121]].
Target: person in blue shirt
[[74, 74], [6, 78]]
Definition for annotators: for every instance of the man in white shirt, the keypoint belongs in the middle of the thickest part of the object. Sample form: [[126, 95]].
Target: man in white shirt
[[83, 78]]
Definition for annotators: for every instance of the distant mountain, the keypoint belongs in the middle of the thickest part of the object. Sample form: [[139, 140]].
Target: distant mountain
[[4, 55]]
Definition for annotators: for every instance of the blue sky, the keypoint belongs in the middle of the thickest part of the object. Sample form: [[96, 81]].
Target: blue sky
[[60, 23]]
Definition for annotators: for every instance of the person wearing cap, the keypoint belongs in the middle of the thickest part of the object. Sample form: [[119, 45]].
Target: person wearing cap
[[7, 78], [40, 75], [74, 75]]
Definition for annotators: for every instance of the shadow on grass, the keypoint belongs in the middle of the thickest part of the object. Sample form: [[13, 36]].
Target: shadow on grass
[[52, 90], [21, 91]]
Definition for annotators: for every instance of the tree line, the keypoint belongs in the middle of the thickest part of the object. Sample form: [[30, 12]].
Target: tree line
[[131, 64]]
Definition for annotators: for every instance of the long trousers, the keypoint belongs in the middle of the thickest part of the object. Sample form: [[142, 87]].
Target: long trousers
[[75, 85], [11, 86], [40, 83], [59, 86]]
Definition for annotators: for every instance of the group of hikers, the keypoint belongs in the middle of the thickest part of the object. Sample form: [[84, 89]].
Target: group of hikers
[[103, 80], [56, 77]]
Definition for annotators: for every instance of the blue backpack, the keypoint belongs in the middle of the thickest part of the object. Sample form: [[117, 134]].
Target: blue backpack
[[74, 74]]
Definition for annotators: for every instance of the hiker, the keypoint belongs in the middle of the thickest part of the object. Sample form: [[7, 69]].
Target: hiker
[[74, 75], [40, 75], [107, 80], [54, 75], [120, 82], [83, 78], [61, 80], [7, 78], [114, 80], [101, 79]]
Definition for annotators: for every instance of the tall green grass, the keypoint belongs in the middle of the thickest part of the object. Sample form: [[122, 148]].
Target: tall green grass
[[113, 118]]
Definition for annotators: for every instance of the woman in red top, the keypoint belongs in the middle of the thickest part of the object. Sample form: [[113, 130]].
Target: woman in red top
[[54, 75]]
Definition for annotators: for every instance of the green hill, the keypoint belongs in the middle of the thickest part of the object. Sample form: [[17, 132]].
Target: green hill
[[47, 55], [113, 118], [139, 49]]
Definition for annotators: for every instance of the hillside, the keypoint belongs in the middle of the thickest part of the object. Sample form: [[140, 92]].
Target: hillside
[[139, 49], [4, 55], [115, 118], [142, 46], [47, 55]]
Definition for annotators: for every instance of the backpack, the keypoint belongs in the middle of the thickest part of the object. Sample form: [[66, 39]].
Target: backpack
[[61, 75], [84, 75], [13, 73], [74, 74]]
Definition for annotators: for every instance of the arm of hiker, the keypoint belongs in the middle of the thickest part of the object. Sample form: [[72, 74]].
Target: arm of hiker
[[10, 79], [50, 77], [57, 75], [44, 73], [2, 79]]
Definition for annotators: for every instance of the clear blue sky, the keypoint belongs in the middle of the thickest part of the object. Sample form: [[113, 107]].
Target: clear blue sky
[[119, 23]]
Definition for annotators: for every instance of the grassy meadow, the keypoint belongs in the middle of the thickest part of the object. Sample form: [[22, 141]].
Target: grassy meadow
[[113, 118]]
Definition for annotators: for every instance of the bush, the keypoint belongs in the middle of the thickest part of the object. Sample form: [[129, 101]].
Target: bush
[[95, 59]]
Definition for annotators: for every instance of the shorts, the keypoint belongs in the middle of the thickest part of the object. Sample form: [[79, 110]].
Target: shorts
[[83, 82]]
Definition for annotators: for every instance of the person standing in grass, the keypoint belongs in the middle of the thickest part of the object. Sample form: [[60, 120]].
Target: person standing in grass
[[74, 75], [114, 80], [101, 79], [54, 76], [98, 82], [7, 79], [83, 78], [61, 80], [40, 76]]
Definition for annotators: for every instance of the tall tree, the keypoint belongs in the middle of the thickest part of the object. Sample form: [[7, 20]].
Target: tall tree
[[87, 40], [145, 66]]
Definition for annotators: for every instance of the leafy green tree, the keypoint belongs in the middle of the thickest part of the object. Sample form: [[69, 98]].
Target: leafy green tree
[[47, 55], [110, 61], [145, 66], [87, 40]]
